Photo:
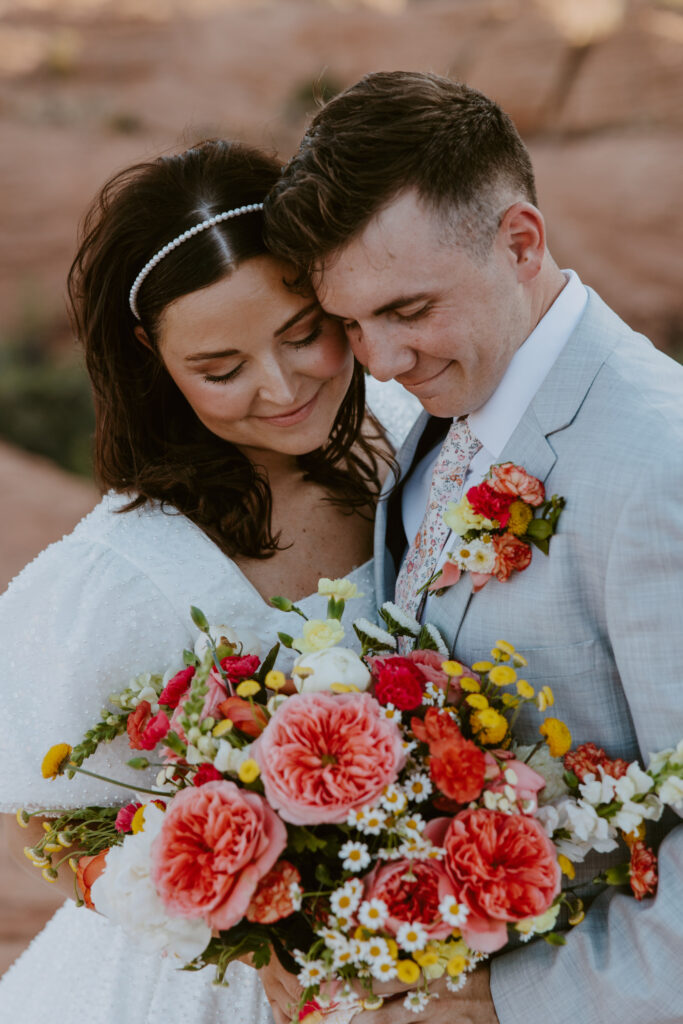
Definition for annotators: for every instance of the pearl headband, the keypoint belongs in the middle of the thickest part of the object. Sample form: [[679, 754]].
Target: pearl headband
[[190, 233]]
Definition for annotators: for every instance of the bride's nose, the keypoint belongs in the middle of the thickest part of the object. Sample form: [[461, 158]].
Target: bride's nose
[[277, 383]]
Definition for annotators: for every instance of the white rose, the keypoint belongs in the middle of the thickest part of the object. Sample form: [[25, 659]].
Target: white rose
[[125, 894], [333, 665], [244, 638]]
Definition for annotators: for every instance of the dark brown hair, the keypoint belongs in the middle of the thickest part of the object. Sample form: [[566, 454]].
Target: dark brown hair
[[149, 442], [390, 132]]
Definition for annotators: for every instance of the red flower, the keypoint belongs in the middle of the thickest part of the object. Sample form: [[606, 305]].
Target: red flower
[[517, 483], [512, 555], [412, 891], [206, 773], [273, 898], [643, 870], [587, 759], [490, 504], [399, 682], [458, 769], [145, 730], [247, 716], [176, 687], [237, 668], [437, 726], [125, 816]]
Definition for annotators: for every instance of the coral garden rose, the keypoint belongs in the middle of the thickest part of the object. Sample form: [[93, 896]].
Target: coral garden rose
[[412, 891], [516, 482], [88, 871], [429, 664], [273, 898], [323, 755], [512, 555], [144, 729], [249, 717], [503, 868], [175, 688], [491, 504], [397, 681], [215, 845]]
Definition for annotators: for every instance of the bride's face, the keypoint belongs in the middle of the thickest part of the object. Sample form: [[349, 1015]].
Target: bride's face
[[260, 365]]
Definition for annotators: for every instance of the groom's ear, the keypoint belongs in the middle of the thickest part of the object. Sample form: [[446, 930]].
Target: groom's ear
[[522, 232]]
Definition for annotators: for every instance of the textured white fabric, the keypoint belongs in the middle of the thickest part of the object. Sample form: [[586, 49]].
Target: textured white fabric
[[109, 601]]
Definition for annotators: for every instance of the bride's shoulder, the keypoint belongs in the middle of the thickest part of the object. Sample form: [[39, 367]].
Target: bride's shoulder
[[393, 406]]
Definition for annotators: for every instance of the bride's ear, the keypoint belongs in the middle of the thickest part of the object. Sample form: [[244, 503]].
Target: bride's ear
[[141, 335]]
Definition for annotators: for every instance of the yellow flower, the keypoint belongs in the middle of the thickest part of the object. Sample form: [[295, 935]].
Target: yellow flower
[[539, 924], [498, 655], [502, 675], [489, 725], [275, 679], [557, 736], [638, 834], [470, 685], [392, 946], [248, 687], [509, 700], [427, 957], [460, 517], [249, 770], [544, 698], [566, 866], [137, 822], [318, 635], [518, 660], [452, 668], [408, 971], [55, 760], [504, 646], [525, 689], [372, 1002], [477, 700], [222, 727], [578, 914], [520, 517], [482, 666], [23, 818], [456, 965], [340, 590]]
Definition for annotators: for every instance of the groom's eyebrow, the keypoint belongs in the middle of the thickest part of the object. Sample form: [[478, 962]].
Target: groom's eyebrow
[[388, 307]]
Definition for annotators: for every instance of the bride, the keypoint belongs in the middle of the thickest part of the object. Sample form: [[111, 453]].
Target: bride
[[239, 462]]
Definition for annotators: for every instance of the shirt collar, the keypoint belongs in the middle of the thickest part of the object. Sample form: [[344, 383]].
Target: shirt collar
[[494, 422]]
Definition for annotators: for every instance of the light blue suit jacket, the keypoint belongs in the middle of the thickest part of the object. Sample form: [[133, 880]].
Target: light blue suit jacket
[[601, 621]]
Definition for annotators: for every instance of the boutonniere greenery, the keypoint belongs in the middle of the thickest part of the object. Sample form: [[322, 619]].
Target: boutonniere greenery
[[495, 525]]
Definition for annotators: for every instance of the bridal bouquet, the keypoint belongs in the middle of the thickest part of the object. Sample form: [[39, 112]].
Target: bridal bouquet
[[366, 817]]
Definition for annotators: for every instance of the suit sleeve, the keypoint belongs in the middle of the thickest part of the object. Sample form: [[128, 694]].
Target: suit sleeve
[[624, 963]]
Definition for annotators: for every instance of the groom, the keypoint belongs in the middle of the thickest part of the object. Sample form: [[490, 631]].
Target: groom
[[412, 205]]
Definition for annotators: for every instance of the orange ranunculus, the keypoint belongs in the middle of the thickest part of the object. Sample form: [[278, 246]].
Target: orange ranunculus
[[88, 871], [245, 715]]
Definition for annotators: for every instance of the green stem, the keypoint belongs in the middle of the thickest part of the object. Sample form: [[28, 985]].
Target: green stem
[[124, 785]]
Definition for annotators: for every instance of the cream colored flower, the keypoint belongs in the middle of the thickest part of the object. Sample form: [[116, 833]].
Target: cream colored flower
[[460, 517], [324, 669], [340, 590], [319, 635]]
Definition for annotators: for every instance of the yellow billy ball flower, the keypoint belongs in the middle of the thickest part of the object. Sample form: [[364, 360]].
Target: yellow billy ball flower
[[470, 685], [520, 517], [55, 760], [545, 698], [49, 874], [248, 688], [504, 646], [482, 666], [489, 725], [427, 957], [502, 675], [452, 668], [52, 848], [477, 700], [372, 1002], [557, 736], [137, 822], [525, 689], [392, 946], [275, 680], [509, 700], [249, 771], [23, 819], [566, 866], [408, 971], [518, 660], [220, 729], [578, 915], [456, 965]]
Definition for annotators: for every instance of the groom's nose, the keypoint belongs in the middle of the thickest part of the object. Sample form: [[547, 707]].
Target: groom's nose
[[380, 351]]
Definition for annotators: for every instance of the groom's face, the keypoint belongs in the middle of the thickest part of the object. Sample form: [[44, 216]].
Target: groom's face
[[419, 308]]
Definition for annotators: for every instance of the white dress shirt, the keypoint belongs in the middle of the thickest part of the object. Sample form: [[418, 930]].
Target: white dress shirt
[[495, 421]]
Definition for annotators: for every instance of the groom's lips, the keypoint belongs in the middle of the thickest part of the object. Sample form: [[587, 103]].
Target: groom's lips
[[415, 386]]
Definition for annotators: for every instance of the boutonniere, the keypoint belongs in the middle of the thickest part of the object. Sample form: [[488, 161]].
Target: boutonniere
[[495, 525]]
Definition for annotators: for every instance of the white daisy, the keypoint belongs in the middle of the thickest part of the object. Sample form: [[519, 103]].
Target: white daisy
[[411, 936], [376, 948], [452, 912], [372, 821], [346, 898], [312, 973], [394, 800], [384, 968], [455, 984], [392, 713], [373, 913], [355, 855], [343, 955], [416, 1001], [418, 787]]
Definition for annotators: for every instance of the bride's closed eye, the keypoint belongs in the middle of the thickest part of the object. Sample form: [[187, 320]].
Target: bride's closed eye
[[223, 378]]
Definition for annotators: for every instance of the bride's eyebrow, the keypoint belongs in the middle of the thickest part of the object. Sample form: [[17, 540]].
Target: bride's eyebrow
[[199, 357], [297, 316]]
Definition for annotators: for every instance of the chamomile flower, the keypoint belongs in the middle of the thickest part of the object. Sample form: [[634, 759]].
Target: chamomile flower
[[371, 820], [433, 695], [456, 983], [418, 787], [373, 913], [394, 799], [416, 1001], [390, 712], [343, 955], [346, 898], [411, 936], [295, 895], [332, 937], [413, 825], [452, 912], [375, 949], [355, 855], [312, 973], [384, 968]]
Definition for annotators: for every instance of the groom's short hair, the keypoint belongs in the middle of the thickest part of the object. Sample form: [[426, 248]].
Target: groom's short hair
[[390, 132]]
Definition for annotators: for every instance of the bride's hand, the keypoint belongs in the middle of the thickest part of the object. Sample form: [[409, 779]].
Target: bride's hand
[[472, 1005]]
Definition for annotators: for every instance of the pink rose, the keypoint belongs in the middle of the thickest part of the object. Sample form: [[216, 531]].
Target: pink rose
[[215, 845], [528, 785], [515, 481], [322, 755], [512, 555], [504, 868], [412, 891], [144, 729]]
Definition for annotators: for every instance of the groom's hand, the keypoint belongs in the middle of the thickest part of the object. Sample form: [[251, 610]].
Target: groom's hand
[[472, 1005], [282, 990]]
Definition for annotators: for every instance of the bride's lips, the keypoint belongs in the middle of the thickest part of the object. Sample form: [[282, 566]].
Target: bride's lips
[[289, 419]]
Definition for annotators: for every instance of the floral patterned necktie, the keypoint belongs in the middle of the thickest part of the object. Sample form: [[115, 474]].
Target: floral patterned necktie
[[458, 450]]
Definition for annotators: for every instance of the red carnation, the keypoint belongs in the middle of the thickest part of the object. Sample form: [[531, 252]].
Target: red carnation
[[144, 729], [237, 668], [643, 870], [206, 773], [437, 726], [125, 817], [176, 687], [490, 504], [398, 681], [587, 759]]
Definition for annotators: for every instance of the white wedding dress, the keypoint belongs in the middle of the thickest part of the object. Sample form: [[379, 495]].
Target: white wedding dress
[[105, 603]]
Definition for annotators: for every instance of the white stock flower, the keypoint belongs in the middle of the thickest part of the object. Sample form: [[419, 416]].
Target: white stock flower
[[126, 895], [244, 640], [340, 590], [671, 793], [229, 758], [596, 791], [381, 636], [634, 782], [324, 668]]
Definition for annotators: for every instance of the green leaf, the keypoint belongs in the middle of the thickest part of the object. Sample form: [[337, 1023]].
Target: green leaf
[[190, 658], [303, 839], [619, 874], [283, 603], [267, 664], [139, 763], [553, 939], [335, 609], [172, 740], [542, 545], [286, 640], [199, 619]]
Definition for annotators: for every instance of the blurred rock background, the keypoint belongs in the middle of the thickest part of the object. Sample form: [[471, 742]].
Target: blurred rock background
[[90, 86]]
